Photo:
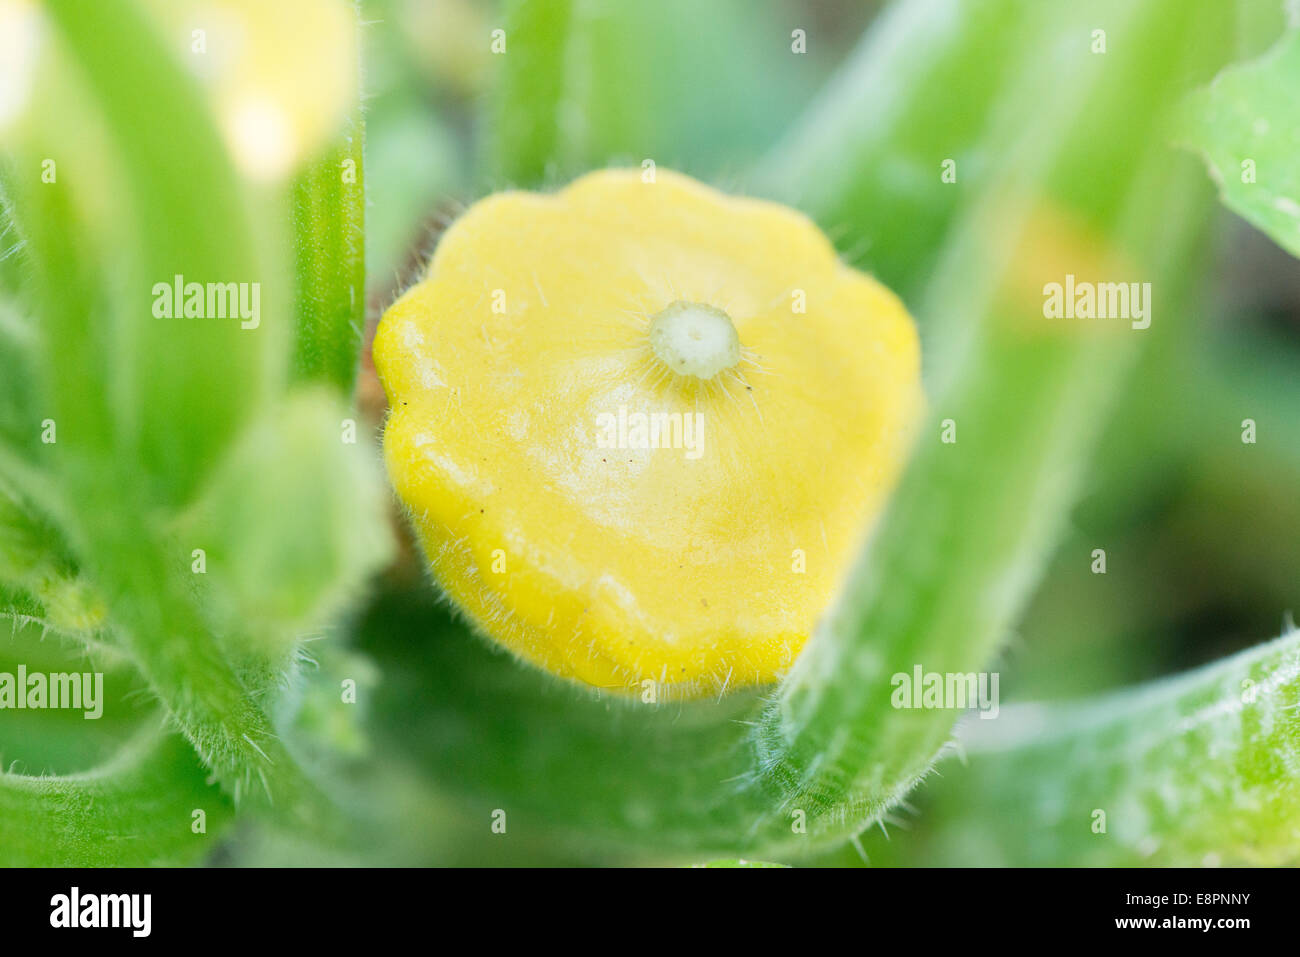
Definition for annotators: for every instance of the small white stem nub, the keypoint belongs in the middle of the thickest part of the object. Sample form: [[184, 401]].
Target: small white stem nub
[[694, 339]]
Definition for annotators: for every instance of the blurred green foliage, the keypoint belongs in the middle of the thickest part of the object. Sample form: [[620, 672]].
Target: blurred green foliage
[[148, 445]]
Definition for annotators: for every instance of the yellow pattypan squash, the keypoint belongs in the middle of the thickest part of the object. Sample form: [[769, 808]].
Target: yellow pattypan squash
[[640, 426]]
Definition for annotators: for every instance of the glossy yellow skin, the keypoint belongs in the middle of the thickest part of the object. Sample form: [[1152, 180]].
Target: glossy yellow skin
[[622, 566]]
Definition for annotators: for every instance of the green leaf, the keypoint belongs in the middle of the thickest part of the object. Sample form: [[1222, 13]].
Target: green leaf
[[291, 523], [159, 378], [39, 578], [64, 740], [136, 810], [1247, 125], [1192, 770]]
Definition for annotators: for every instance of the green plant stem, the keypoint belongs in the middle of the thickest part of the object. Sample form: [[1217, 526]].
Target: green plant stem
[[527, 115], [865, 159], [329, 211]]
